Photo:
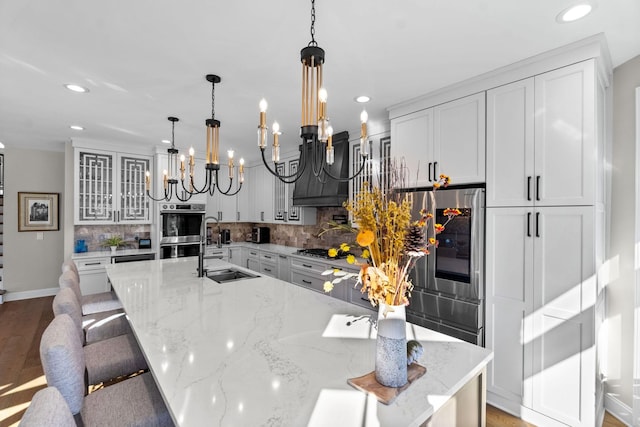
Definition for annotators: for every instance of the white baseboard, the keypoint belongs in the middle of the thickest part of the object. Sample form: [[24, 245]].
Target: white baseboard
[[618, 409], [38, 293]]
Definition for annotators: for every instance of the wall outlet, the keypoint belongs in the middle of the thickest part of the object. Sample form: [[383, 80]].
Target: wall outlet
[[40, 235]]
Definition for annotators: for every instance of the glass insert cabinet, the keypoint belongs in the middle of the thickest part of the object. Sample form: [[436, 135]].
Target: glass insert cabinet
[[110, 188]]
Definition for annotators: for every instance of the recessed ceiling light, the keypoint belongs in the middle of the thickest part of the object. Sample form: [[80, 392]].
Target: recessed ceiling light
[[76, 127], [166, 141], [362, 99], [1, 145], [575, 12], [76, 88]]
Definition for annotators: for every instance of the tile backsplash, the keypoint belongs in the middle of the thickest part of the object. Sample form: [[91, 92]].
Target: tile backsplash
[[94, 235], [286, 234]]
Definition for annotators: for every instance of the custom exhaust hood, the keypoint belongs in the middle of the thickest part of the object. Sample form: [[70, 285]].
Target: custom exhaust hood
[[310, 191]]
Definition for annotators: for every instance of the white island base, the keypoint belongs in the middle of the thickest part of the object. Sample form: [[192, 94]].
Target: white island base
[[262, 351]]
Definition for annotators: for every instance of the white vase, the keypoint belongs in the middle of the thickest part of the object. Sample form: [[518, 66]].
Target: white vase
[[391, 346], [113, 249]]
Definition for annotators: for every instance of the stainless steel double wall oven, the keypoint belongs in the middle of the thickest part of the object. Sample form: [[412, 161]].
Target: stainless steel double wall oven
[[448, 293], [181, 227]]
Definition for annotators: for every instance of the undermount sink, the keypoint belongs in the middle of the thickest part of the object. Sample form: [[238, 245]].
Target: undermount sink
[[228, 275]]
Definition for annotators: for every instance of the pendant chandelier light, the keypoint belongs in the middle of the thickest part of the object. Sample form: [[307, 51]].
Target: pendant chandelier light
[[185, 191], [315, 128]]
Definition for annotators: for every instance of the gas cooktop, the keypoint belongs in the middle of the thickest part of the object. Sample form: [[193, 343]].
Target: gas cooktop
[[321, 253]]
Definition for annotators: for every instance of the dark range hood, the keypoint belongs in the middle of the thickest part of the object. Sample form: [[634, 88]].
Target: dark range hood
[[309, 191]]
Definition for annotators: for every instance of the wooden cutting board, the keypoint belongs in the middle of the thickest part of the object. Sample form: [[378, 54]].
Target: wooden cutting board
[[386, 395]]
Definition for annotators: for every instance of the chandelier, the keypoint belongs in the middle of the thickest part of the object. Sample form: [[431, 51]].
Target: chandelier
[[184, 191], [316, 131]]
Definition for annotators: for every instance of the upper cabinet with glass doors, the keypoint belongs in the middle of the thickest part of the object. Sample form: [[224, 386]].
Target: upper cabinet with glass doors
[[110, 187]]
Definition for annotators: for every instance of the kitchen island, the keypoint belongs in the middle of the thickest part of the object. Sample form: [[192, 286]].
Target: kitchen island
[[261, 351]]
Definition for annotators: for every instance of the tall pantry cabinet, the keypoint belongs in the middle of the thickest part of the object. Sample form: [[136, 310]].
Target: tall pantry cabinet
[[544, 222]]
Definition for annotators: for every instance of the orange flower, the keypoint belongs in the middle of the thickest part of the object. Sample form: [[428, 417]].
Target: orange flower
[[365, 237], [439, 228], [450, 212]]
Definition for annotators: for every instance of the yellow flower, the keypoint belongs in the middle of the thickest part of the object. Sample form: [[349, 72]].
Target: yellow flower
[[366, 254], [351, 259], [344, 247], [328, 286], [365, 238], [332, 252], [432, 240]]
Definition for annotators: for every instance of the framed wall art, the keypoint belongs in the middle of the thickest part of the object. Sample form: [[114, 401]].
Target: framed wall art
[[38, 211]]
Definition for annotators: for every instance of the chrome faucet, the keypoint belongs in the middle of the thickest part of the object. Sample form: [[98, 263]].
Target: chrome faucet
[[203, 241]]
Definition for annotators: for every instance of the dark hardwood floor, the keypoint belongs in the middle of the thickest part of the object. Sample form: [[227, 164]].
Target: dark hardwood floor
[[21, 376]]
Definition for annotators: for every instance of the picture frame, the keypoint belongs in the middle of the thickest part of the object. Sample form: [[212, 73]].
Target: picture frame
[[38, 211]]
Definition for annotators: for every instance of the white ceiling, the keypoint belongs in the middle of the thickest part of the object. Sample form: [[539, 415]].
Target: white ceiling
[[144, 60]]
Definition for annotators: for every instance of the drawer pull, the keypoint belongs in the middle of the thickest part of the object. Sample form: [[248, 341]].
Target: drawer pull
[[93, 263], [307, 265], [283, 257], [306, 282], [267, 256], [267, 269]]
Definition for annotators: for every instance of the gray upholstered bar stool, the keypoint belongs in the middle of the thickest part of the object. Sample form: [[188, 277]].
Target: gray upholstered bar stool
[[97, 326], [133, 402], [48, 408], [107, 359], [94, 303], [70, 264]]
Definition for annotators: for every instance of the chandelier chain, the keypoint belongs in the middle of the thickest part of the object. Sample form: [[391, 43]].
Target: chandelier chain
[[213, 100], [173, 127], [313, 24]]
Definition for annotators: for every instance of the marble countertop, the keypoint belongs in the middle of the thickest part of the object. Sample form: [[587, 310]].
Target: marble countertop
[[265, 352]]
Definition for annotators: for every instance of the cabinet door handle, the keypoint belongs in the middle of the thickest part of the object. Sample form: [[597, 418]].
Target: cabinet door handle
[[237, 216], [283, 257], [528, 224], [306, 282], [262, 216], [253, 253], [435, 171], [267, 256], [529, 188], [267, 269], [537, 224], [538, 187], [92, 263], [429, 174], [307, 265]]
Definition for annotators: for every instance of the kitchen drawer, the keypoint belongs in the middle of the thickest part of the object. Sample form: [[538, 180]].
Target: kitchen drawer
[[92, 263], [268, 257], [316, 283], [269, 269], [308, 265], [358, 298]]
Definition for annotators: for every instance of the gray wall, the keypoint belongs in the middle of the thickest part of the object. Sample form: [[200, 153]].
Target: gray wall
[[31, 265], [620, 291]]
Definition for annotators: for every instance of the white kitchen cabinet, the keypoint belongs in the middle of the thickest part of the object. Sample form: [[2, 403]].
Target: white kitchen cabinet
[[459, 140], [308, 273], [284, 268], [236, 256], [541, 139], [93, 276], [269, 263], [252, 258], [110, 187], [448, 138], [261, 195], [412, 147], [541, 294], [284, 210]]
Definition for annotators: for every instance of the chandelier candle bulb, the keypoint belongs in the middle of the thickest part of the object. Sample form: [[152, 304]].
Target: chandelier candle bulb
[[262, 126], [241, 170], [192, 161], [276, 142], [230, 154], [165, 179], [363, 133], [182, 158], [147, 180]]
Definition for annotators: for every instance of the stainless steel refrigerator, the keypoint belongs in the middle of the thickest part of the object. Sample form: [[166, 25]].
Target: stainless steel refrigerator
[[448, 294]]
